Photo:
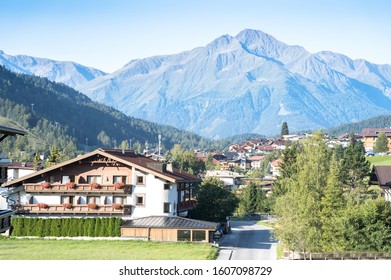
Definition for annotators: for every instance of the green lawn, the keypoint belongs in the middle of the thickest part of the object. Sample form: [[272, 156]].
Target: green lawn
[[379, 160], [44, 249]]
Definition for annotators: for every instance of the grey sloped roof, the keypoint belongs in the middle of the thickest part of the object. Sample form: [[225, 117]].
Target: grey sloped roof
[[168, 222], [381, 175], [11, 131]]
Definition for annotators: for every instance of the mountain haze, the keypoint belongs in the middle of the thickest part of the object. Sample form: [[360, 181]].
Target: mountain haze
[[70, 73], [249, 83], [65, 116]]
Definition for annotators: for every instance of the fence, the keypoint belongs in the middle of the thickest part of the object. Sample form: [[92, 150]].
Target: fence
[[339, 256]]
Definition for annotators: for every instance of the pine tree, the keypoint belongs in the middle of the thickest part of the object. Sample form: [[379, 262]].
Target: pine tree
[[381, 144], [284, 129], [288, 170], [249, 198], [37, 161], [355, 166], [332, 209], [54, 157]]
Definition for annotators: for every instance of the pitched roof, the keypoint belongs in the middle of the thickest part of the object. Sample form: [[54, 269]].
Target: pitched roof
[[381, 175], [5, 131], [256, 158], [126, 157], [168, 222], [374, 132], [21, 165]]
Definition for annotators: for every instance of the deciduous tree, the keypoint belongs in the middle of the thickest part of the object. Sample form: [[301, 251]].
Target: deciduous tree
[[214, 201]]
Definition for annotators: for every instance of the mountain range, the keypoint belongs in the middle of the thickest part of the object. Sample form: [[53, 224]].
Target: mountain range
[[249, 83]]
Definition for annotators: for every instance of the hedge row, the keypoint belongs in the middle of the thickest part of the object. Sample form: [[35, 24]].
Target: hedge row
[[93, 227]]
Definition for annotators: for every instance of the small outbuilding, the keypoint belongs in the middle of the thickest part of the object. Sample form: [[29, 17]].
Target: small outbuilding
[[381, 176], [169, 228]]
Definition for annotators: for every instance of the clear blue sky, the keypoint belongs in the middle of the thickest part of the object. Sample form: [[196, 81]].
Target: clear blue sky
[[106, 34]]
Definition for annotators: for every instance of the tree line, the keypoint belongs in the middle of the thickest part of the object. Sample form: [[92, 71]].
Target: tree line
[[54, 113], [324, 203]]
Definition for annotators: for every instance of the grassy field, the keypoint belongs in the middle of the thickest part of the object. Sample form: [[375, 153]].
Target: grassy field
[[380, 160], [44, 249]]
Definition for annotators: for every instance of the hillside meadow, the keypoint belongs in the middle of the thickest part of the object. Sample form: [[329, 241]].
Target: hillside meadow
[[379, 160]]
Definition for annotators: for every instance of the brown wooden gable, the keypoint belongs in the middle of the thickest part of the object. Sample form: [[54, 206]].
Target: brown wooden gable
[[109, 158]]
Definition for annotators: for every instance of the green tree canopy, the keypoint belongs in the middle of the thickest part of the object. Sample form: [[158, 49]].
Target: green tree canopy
[[284, 129], [186, 160], [253, 199], [214, 201], [354, 166], [381, 144]]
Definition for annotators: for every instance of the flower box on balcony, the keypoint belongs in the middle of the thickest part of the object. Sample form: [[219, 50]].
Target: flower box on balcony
[[67, 205], [45, 185], [116, 206], [42, 205], [92, 206], [119, 185], [94, 185], [70, 186]]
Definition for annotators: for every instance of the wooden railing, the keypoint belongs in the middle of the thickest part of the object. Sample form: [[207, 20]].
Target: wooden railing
[[78, 188], [73, 209]]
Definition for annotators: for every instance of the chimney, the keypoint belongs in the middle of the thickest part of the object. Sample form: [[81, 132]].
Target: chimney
[[169, 167]]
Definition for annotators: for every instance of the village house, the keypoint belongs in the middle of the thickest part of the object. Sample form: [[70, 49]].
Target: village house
[[5, 214], [369, 136], [256, 161], [232, 160], [381, 176], [19, 169], [104, 182], [231, 180], [111, 182], [265, 149], [273, 168]]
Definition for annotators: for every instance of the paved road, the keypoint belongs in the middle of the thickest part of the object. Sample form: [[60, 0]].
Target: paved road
[[248, 241]]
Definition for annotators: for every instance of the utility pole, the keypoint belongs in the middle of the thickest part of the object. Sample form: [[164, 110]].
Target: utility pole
[[160, 139]]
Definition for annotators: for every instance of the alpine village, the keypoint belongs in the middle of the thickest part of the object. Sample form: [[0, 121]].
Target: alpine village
[[73, 169]]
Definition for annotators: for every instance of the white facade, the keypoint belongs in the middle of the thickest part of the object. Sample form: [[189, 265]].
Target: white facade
[[15, 173], [229, 178], [154, 193]]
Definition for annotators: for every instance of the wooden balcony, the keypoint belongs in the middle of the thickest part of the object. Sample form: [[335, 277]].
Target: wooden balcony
[[79, 188], [77, 209]]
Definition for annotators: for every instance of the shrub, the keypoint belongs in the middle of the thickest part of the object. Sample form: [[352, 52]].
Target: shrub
[[70, 185], [66, 227], [92, 206], [67, 205], [116, 206], [119, 185], [42, 205], [95, 185]]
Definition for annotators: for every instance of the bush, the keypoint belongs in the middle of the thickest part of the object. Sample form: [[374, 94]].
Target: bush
[[93, 227]]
